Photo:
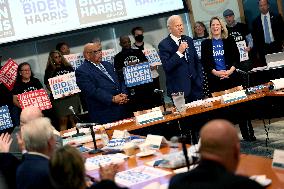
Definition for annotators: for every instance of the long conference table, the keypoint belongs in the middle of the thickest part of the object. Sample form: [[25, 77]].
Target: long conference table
[[249, 165], [191, 112]]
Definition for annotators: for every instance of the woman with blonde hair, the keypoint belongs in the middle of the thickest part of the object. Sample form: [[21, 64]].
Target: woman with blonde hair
[[219, 57], [58, 65]]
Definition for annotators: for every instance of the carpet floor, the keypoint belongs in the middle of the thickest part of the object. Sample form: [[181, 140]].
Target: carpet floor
[[275, 138]]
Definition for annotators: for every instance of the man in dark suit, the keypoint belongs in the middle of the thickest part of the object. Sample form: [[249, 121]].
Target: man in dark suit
[[268, 31], [97, 80], [180, 62], [39, 141], [220, 154]]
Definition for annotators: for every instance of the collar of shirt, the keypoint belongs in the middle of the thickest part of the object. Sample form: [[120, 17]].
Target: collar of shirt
[[39, 154], [176, 39], [267, 14]]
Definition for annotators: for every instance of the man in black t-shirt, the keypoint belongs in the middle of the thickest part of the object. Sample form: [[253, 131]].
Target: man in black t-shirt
[[240, 33], [141, 96]]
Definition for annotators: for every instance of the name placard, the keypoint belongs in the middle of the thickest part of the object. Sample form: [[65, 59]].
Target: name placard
[[63, 85], [37, 98], [137, 74], [278, 159], [8, 74], [5, 119]]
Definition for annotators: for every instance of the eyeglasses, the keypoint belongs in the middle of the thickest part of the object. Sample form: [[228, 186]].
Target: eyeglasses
[[97, 51], [25, 70]]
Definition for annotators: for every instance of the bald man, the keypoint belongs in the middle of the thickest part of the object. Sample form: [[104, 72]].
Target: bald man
[[28, 114], [104, 94], [180, 62], [220, 153]]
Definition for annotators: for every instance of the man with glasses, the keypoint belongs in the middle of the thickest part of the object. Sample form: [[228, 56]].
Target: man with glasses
[[104, 94]]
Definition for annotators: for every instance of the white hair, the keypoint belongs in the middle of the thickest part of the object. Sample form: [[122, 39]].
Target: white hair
[[36, 134], [172, 18]]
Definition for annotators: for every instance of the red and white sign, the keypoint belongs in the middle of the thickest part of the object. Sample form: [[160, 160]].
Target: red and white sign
[[37, 98], [8, 74]]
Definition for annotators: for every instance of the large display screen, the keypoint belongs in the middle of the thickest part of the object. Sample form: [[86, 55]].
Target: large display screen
[[24, 19]]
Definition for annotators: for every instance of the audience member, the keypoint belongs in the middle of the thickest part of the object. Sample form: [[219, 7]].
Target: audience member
[[63, 48], [240, 33], [137, 33], [8, 162], [219, 57], [268, 31], [27, 114], [57, 65], [105, 94], [138, 95], [25, 82], [220, 154], [200, 34], [200, 31], [180, 62], [39, 141], [71, 174], [67, 174]]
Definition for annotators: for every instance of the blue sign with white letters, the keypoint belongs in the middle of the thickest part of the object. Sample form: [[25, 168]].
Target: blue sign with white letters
[[137, 74], [5, 119]]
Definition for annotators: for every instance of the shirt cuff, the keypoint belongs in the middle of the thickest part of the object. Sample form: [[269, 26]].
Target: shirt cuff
[[179, 54]]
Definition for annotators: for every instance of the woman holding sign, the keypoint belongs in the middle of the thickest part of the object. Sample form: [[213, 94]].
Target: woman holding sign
[[25, 82], [219, 56], [57, 65]]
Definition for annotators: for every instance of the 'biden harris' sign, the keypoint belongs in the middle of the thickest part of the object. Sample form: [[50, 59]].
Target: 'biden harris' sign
[[137, 74]]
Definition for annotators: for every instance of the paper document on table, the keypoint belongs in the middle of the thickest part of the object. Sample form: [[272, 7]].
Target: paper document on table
[[139, 175]]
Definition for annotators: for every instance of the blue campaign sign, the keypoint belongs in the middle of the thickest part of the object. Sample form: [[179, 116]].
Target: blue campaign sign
[[5, 119], [197, 45], [137, 74]]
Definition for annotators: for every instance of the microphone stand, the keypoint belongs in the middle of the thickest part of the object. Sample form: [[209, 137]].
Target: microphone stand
[[95, 150], [184, 149], [78, 119]]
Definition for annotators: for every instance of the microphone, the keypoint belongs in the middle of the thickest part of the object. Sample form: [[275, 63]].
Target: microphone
[[73, 112], [158, 91], [77, 129], [183, 39]]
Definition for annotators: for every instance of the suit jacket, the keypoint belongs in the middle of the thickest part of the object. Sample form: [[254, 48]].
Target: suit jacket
[[181, 74], [98, 90], [277, 26], [211, 175], [8, 167], [33, 173]]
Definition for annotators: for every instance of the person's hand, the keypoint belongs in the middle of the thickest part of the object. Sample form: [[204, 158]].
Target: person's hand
[[108, 172], [20, 142], [153, 67], [222, 74], [5, 142], [182, 47], [120, 99], [247, 49]]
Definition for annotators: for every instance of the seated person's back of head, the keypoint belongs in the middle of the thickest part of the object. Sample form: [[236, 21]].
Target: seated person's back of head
[[220, 153]]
